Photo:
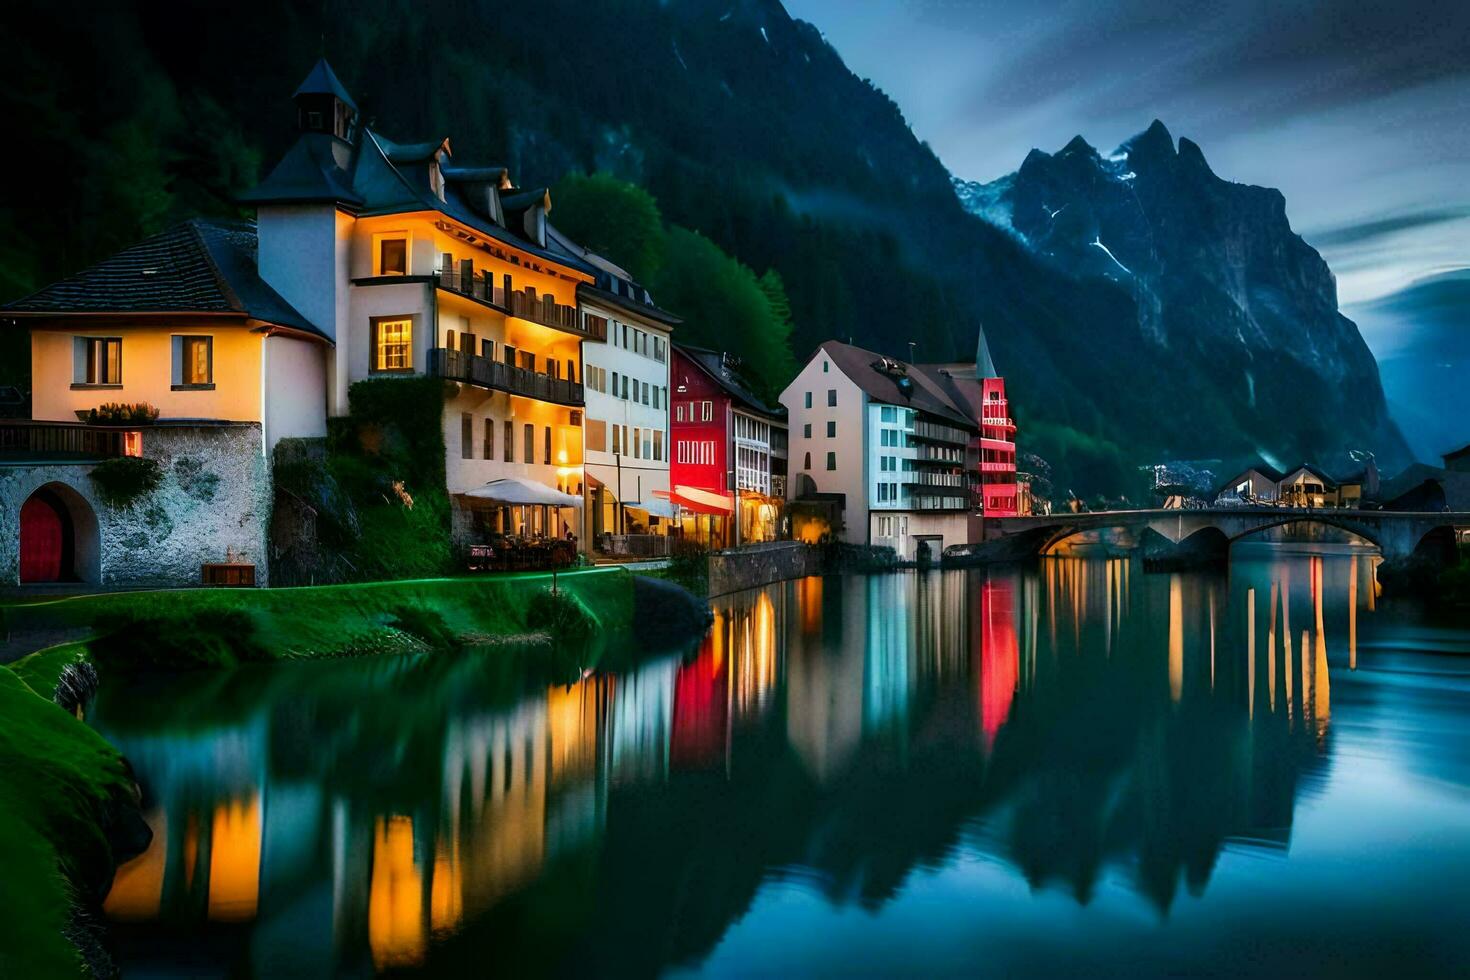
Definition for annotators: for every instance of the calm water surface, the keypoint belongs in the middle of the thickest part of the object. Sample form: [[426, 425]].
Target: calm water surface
[[1074, 767]]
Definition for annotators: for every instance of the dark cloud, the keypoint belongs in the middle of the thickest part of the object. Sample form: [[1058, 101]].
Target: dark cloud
[[1358, 111]]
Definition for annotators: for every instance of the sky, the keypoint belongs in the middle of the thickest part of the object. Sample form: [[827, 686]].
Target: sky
[[1359, 112]]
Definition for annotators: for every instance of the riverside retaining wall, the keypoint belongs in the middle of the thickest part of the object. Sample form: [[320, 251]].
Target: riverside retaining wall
[[757, 565]]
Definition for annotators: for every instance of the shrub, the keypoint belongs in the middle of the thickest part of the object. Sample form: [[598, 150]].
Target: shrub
[[124, 481], [206, 638], [424, 623], [118, 413], [562, 615]]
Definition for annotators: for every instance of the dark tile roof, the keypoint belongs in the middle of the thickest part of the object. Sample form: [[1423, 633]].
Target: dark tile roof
[[321, 80], [318, 167], [927, 392], [712, 363], [198, 266], [1327, 482]]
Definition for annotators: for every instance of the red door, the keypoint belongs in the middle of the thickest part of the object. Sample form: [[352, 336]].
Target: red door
[[42, 533]]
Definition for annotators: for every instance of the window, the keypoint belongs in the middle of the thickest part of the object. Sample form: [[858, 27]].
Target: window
[[679, 412], [596, 435], [831, 397], [617, 440], [825, 367], [97, 361], [658, 350], [548, 445], [489, 447], [392, 344], [466, 436], [709, 411], [594, 325], [809, 399], [530, 443], [831, 429], [193, 359], [393, 255], [831, 461], [615, 384], [806, 431], [648, 444], [625, 387], [807, 462], [637, 443], [886, 414], [658, 444], [655, 397], [510, 434], [487, 349]]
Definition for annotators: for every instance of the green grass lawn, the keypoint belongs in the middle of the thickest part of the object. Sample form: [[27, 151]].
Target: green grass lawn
[[332, 619], [56, 778]]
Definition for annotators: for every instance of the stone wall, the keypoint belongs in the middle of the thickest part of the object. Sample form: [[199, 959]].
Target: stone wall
[[762, 564], [214, 500]]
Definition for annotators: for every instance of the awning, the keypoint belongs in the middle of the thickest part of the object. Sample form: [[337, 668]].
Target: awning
[[656, 507], [699, 501], [516, 491]]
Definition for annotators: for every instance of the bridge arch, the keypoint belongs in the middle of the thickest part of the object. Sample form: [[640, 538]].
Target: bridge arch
[[1355, 529]]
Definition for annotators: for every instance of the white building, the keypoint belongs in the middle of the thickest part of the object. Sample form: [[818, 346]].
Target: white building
[[890, 440], [626, 440]]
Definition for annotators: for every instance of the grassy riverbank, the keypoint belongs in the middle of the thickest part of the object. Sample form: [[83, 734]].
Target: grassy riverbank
[[337, 620], [58, 780]]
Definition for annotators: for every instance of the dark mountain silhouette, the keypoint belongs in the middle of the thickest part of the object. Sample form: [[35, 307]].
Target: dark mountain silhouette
[[1222, 287], [746, 126], [1422, 335]]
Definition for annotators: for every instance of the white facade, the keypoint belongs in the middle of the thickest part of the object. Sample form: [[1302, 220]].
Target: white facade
[[752, 437], [843, 441], [819, 400], [626, 387]]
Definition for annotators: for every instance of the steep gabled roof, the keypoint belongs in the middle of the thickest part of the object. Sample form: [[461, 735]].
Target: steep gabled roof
[[712, 363], [199, 266], [927, 393], [321, 80], [1327, 482], [1265, 469]]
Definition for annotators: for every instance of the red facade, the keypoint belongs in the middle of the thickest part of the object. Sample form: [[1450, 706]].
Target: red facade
[[699, 428], [998, 490]]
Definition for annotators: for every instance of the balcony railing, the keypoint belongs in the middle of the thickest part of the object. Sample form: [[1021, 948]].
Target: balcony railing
[[525, 303], [455, 365], [467, 282], [59, 439], [936, 432]]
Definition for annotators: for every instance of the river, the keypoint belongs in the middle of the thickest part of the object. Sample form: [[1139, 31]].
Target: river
[[1076, 766]]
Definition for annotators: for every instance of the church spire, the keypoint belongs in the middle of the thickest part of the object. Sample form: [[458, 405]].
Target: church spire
[[984, 364]]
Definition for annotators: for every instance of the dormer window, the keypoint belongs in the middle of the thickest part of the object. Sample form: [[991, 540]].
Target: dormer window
[[392, 255]]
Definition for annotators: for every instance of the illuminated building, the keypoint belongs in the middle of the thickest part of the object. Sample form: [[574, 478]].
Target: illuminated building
[[892, 442], [729, 452]]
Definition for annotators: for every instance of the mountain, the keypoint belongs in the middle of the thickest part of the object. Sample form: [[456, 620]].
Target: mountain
[[1421, 335], [747, 127], [1227, 298]]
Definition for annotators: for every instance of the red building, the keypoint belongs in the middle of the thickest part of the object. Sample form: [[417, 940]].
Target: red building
[[998, 490], [728, 451]]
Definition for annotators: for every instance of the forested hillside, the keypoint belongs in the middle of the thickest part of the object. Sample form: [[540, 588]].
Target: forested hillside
[[743, 125]]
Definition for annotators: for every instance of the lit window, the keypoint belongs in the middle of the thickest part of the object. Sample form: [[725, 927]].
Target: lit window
[[393, 256], [97, 361], [393, 345], [194, 362]]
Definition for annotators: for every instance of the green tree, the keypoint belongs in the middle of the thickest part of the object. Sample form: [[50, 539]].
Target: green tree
[[724, 307], [613, 218]]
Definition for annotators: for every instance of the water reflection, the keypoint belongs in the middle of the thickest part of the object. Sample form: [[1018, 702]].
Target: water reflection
[[1078, 722]]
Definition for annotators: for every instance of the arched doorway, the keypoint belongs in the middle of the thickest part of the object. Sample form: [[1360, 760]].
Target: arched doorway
[[47, 541], [58, 537]]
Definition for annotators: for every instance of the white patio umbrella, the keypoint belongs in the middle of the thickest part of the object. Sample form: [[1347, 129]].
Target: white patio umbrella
[[515, 491]]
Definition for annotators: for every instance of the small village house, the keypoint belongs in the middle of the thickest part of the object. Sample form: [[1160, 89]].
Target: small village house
[[890, 441], [729, 464]]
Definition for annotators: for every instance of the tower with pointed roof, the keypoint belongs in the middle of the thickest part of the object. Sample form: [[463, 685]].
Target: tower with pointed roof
[[998, 488]]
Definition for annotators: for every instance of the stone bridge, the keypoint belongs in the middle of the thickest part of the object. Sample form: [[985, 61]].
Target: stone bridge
[[1397, 535]]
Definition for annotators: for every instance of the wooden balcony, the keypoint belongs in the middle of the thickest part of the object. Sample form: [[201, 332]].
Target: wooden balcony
[[454, 365], [524, 303], [25, 439]]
